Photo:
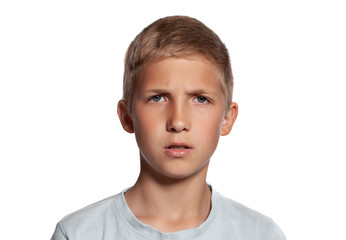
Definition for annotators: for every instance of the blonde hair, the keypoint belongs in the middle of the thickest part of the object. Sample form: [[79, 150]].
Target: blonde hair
[[176, 36]]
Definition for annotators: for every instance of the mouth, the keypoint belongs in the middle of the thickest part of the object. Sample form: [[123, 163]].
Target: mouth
[[178, 150], [177, 147]]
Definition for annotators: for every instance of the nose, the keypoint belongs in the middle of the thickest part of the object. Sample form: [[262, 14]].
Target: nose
[[178, 119]]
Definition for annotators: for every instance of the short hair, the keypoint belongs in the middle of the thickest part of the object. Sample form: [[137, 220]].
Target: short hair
[[176, 36]]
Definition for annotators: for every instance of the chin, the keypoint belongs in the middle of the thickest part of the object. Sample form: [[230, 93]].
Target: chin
[[175, 170], [181, 173], [178, 176]]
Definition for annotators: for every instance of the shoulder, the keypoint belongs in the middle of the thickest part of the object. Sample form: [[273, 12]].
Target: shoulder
[[241, 213], [246, 221], [88, 220], [90, 211]]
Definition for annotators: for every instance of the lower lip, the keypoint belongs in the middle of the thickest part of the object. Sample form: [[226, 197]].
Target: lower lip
[[178, 153]]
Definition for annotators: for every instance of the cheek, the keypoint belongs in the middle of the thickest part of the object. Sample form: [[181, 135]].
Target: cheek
[[146, 127], [210, 129], [213, 122]]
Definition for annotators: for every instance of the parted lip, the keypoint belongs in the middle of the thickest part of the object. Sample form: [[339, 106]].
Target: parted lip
[[173, 145]]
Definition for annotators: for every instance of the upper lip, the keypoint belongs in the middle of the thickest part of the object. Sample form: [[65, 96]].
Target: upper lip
[[178, 145]]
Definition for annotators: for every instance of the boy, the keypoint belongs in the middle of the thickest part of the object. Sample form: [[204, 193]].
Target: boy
[[178, 101]]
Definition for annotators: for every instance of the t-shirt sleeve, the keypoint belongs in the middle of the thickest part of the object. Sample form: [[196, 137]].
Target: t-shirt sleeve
[[277, 233], [58, 234]]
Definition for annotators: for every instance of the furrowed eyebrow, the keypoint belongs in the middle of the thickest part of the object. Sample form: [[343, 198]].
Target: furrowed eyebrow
[[151, 92], [156, 91], [196, 92], [202, 92]]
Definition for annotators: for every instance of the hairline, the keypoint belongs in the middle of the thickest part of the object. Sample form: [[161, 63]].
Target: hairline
[[161, 55]]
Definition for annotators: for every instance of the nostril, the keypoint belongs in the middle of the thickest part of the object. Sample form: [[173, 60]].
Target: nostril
[[177, 128], [178, 120]]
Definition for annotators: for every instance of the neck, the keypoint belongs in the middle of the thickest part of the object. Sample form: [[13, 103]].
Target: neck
[[162, 202]]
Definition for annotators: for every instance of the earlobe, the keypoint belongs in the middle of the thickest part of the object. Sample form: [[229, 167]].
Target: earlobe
[[229, 119], [124, 116]]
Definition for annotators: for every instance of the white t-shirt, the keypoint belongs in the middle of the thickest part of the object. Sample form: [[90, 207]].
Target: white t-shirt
[[112, 219]]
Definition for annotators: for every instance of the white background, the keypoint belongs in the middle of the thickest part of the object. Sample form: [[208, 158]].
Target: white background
[[62, 146]]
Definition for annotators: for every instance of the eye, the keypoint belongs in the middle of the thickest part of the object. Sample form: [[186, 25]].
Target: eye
[[157, 98], [201, 99]]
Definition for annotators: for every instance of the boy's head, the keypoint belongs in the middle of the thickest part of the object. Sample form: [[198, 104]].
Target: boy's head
[[176, 36], [177, 96]]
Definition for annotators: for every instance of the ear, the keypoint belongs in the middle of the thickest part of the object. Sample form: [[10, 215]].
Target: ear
[[125, 117], [229, 119]]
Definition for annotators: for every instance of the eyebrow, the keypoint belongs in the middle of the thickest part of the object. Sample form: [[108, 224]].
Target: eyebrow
[[156, 91], [191, 92], [202, 92]]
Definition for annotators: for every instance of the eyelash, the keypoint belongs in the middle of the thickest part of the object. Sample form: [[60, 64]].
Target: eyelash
[[205, 100], [152, 98]]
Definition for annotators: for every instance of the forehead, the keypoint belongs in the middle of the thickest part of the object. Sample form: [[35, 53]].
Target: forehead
[[191, 71]]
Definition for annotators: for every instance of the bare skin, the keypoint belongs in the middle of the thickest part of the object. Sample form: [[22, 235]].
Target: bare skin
[[170, 205], [178, 114]]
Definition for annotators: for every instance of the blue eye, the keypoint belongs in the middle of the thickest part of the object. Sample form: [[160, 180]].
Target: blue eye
[[201, 99], [157, 98]]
